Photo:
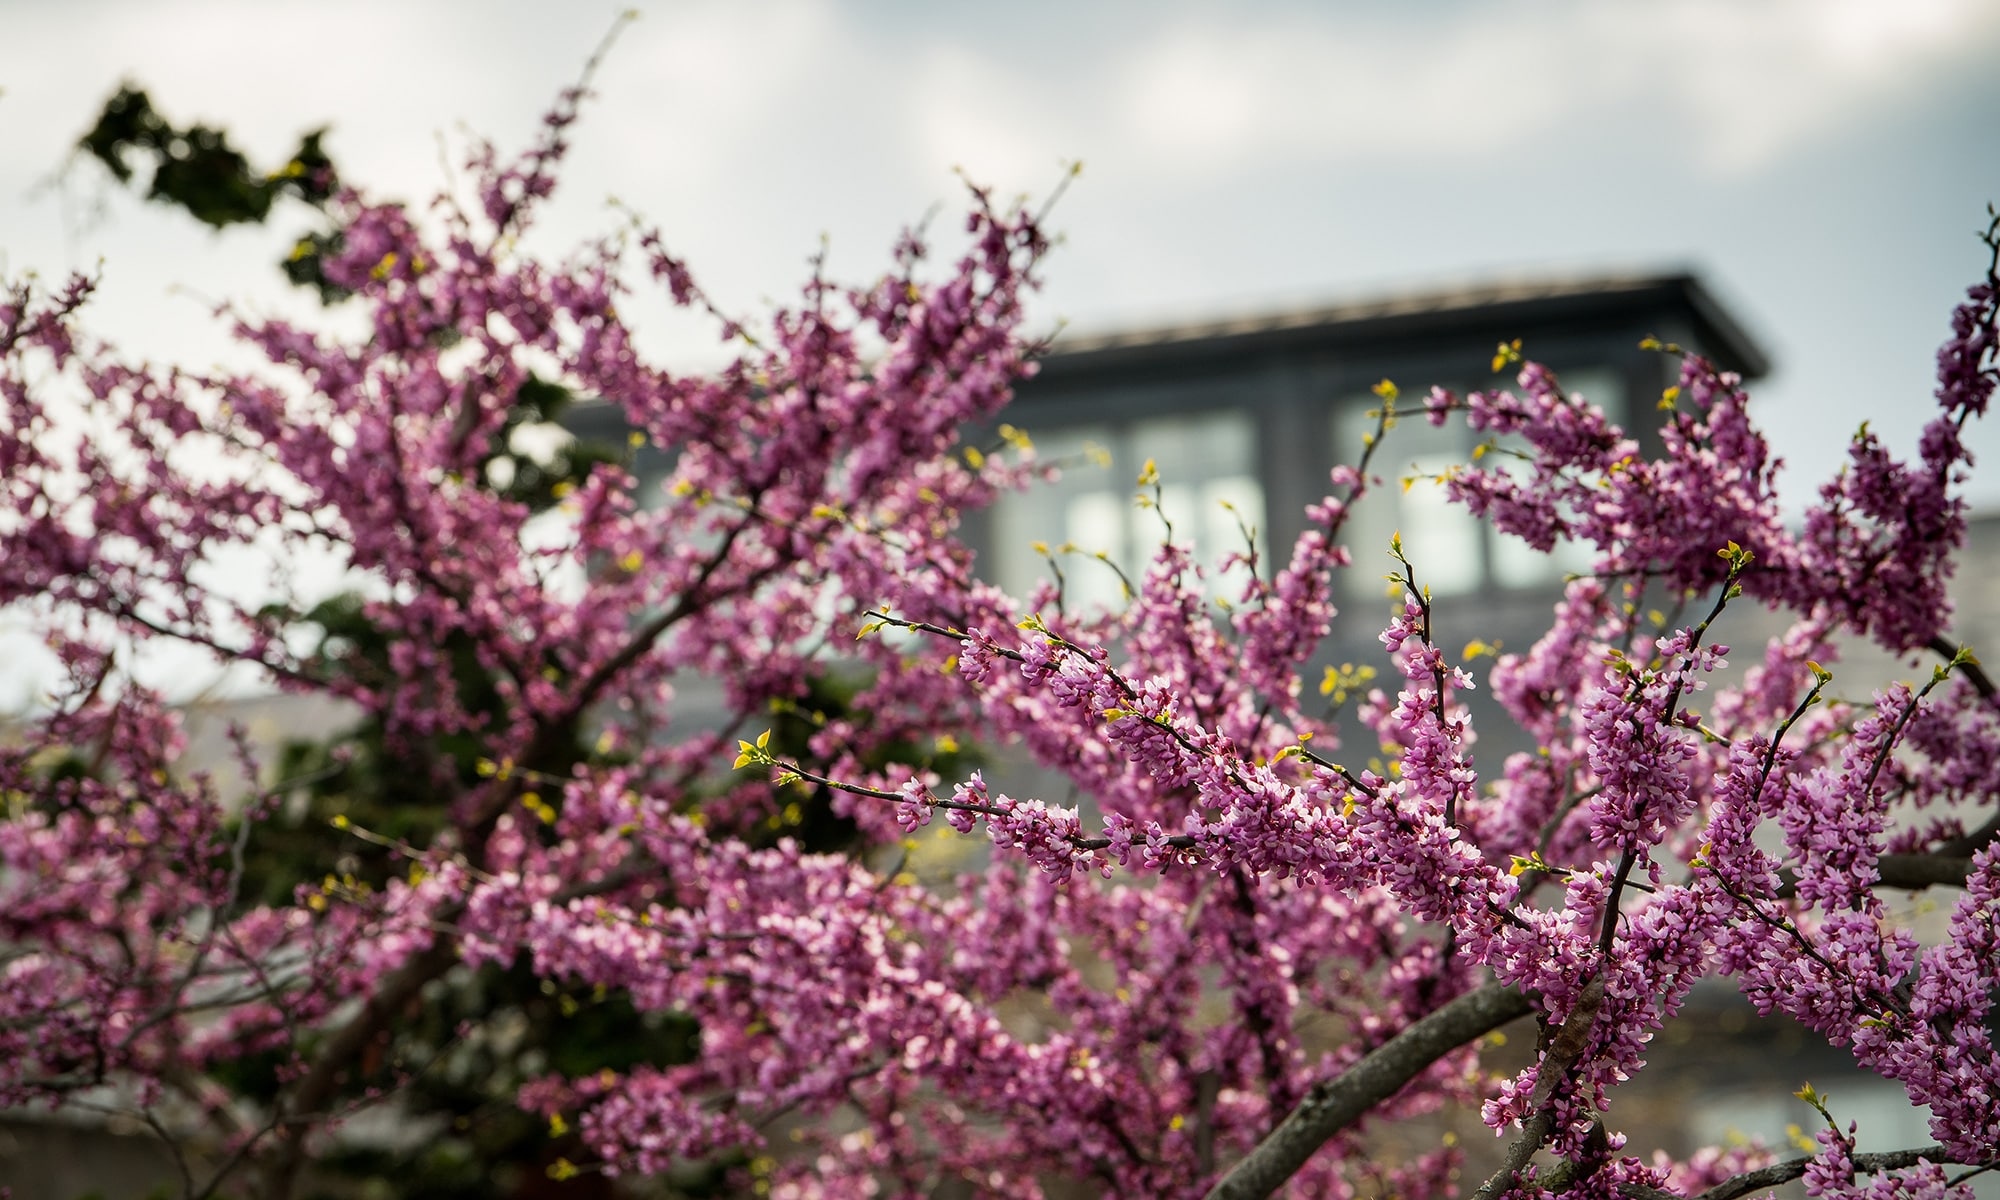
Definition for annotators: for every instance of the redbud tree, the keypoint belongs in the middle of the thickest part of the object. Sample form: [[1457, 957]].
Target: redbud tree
[[1220, 975]]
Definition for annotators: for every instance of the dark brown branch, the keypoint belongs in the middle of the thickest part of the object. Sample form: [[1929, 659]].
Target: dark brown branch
[[1972, 843], [1568, 1172], [1523, 1148], [1907, 872], [1564, 1047], [334, 1057], [1792, 1168], [1915, 872], [1335, 1104]]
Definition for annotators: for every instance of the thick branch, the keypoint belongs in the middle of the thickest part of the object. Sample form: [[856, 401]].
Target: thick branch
[[1335, 1104], [1907, 872], [333, 1058], [1522, 1149], [1974, 842], [1916, 872], [1564, 1047]]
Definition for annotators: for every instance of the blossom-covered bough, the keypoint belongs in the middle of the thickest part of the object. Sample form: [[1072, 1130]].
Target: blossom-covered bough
[[1218, 975]]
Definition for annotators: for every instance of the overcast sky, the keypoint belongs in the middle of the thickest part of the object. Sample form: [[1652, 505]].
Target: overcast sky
[[1823, 163]]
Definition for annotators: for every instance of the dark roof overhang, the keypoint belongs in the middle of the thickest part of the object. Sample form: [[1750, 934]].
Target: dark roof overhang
[[1520, 305]]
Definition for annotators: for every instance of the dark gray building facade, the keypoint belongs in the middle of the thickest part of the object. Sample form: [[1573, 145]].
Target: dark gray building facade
[[1246, 418], [1281, 396]]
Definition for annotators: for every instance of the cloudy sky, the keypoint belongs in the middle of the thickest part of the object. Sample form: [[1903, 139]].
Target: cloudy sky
[[1824, 163]]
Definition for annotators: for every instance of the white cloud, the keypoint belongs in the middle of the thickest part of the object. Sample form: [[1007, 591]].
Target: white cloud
[[1728, 83], [1222, 95], [992, 118], [1757, 78]]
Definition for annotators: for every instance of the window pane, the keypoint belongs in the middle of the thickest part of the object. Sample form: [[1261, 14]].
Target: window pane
[[1442, 541], [1515, 563], [1095, 522], [1042, 513], [1451, 550], [1203, 460]]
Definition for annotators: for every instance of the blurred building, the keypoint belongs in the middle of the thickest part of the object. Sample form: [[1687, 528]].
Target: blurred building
[[1256, 411], [1246, 418]]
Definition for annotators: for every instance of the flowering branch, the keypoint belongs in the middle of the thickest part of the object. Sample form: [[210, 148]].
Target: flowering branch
[[514, 845]]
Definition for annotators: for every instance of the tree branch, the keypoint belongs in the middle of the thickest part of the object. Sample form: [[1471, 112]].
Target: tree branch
[[1523, 1148], [1564, 1047], [1792, 1168], [334, 1057], [1906, 872], [1915, 872], [1335, 1104], [1972, 843]]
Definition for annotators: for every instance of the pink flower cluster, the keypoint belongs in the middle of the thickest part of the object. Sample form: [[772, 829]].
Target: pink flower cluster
[[1214, 927]]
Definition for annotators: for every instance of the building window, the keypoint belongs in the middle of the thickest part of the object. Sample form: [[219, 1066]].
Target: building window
[[1452, 551], [1208, 490]]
